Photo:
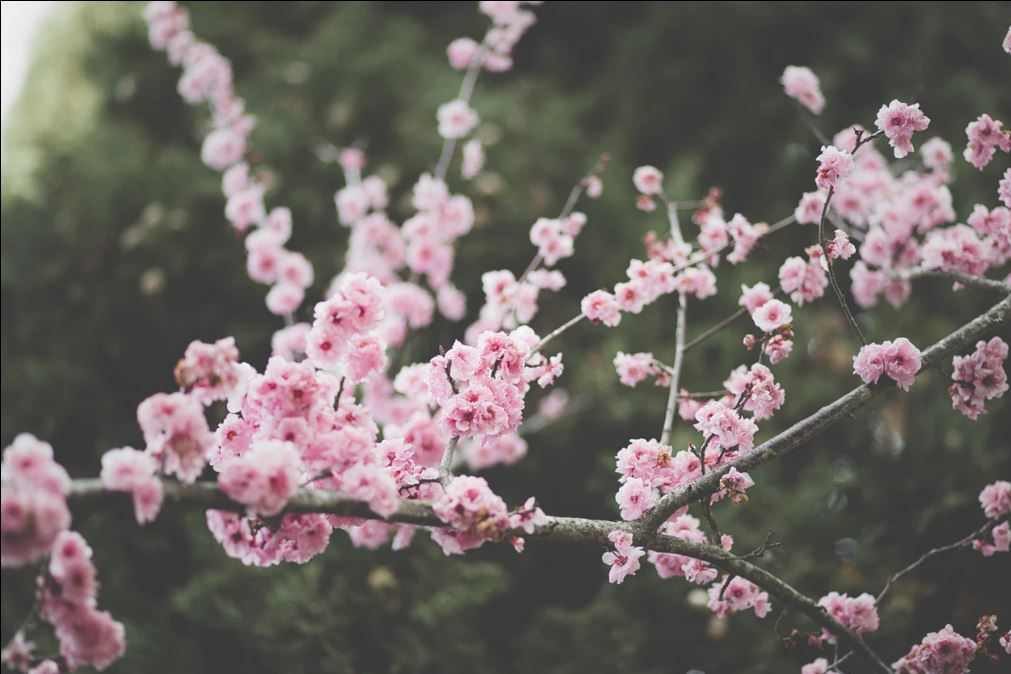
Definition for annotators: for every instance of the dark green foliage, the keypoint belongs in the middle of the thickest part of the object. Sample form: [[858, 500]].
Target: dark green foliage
[[116, 254]]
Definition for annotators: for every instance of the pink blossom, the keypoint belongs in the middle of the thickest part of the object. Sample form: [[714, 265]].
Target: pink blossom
[[755, 296], [264, 478], [738, 595], [352, 159], [899, 359], [648, 180], [857, 614], [996, 499], [634, 498], [778, 348], [624, 560], [601, 307], [284, 298], [819, 666], [631, 296], [1004, 188], [208, 371], [132, 471], [840, 246], [352, 204], [632, 368], [734, 484], [978, 377], [371, 484], [594, 186], [469, 506], [801, 83], [809, 208], [765, 396], [366, 356], [804, 281], [461, 52], [456, 119], [245, 208], [222, 148], [833, 165], [772, 315], [899, 121], [943, 652], [725, 425], [937, 154], [473, 159], [697, 281], [176, 433], [986, 135], [745, 236]]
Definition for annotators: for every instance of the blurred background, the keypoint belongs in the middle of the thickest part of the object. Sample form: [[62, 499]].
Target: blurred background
[[116, 255]]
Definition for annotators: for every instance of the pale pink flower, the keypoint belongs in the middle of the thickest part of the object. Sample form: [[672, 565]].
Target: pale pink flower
[[624, 560], [456, 119], [648, 180], [461, 52], [899, 121], [634, 498], [284, 298], [264, 478], [840, 246], [943, 652], [937, 154], [755, 296], [772, 315], [833, 165], [996, 499], [222, 148], [632, 368], [601, 307], [985, 136], [809, 208], [801, 83]]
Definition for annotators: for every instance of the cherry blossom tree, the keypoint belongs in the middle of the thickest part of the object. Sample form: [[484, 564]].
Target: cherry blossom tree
[[337, 430]]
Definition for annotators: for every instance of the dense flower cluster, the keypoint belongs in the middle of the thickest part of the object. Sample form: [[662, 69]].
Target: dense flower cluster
[[68, 593], [899, 359], [942, 652], [736, 594], [135, 472], [801, 83], [995, 499], [34, 501], [986, 135], [207, 78], [208, 372], [633, 368], [35, 524], [857, 614], [978, 377]]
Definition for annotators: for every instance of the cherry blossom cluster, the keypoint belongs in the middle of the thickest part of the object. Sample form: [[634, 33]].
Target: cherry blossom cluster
[[35, 525], [34, 500], [509, 22], [858, 614], [801, 83], [207, 78], [978, 377], [735, 594], [995, 499], [476, 514], [899, 360], [669, 565], [68, 594], [624, 559], [135, 472], [480, 389], [633, 368], [942, 652], [208, 371], [773, 317], [899, 121], [986, 135]]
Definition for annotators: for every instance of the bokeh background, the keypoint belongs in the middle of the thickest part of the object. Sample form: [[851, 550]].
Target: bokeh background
[[116, 254]]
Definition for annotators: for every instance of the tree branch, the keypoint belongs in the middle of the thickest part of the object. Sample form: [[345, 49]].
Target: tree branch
[[826, 417], [204, 495]]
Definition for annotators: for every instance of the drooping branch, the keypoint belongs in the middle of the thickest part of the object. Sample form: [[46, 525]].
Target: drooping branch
[[206, 495], [829, 415]]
